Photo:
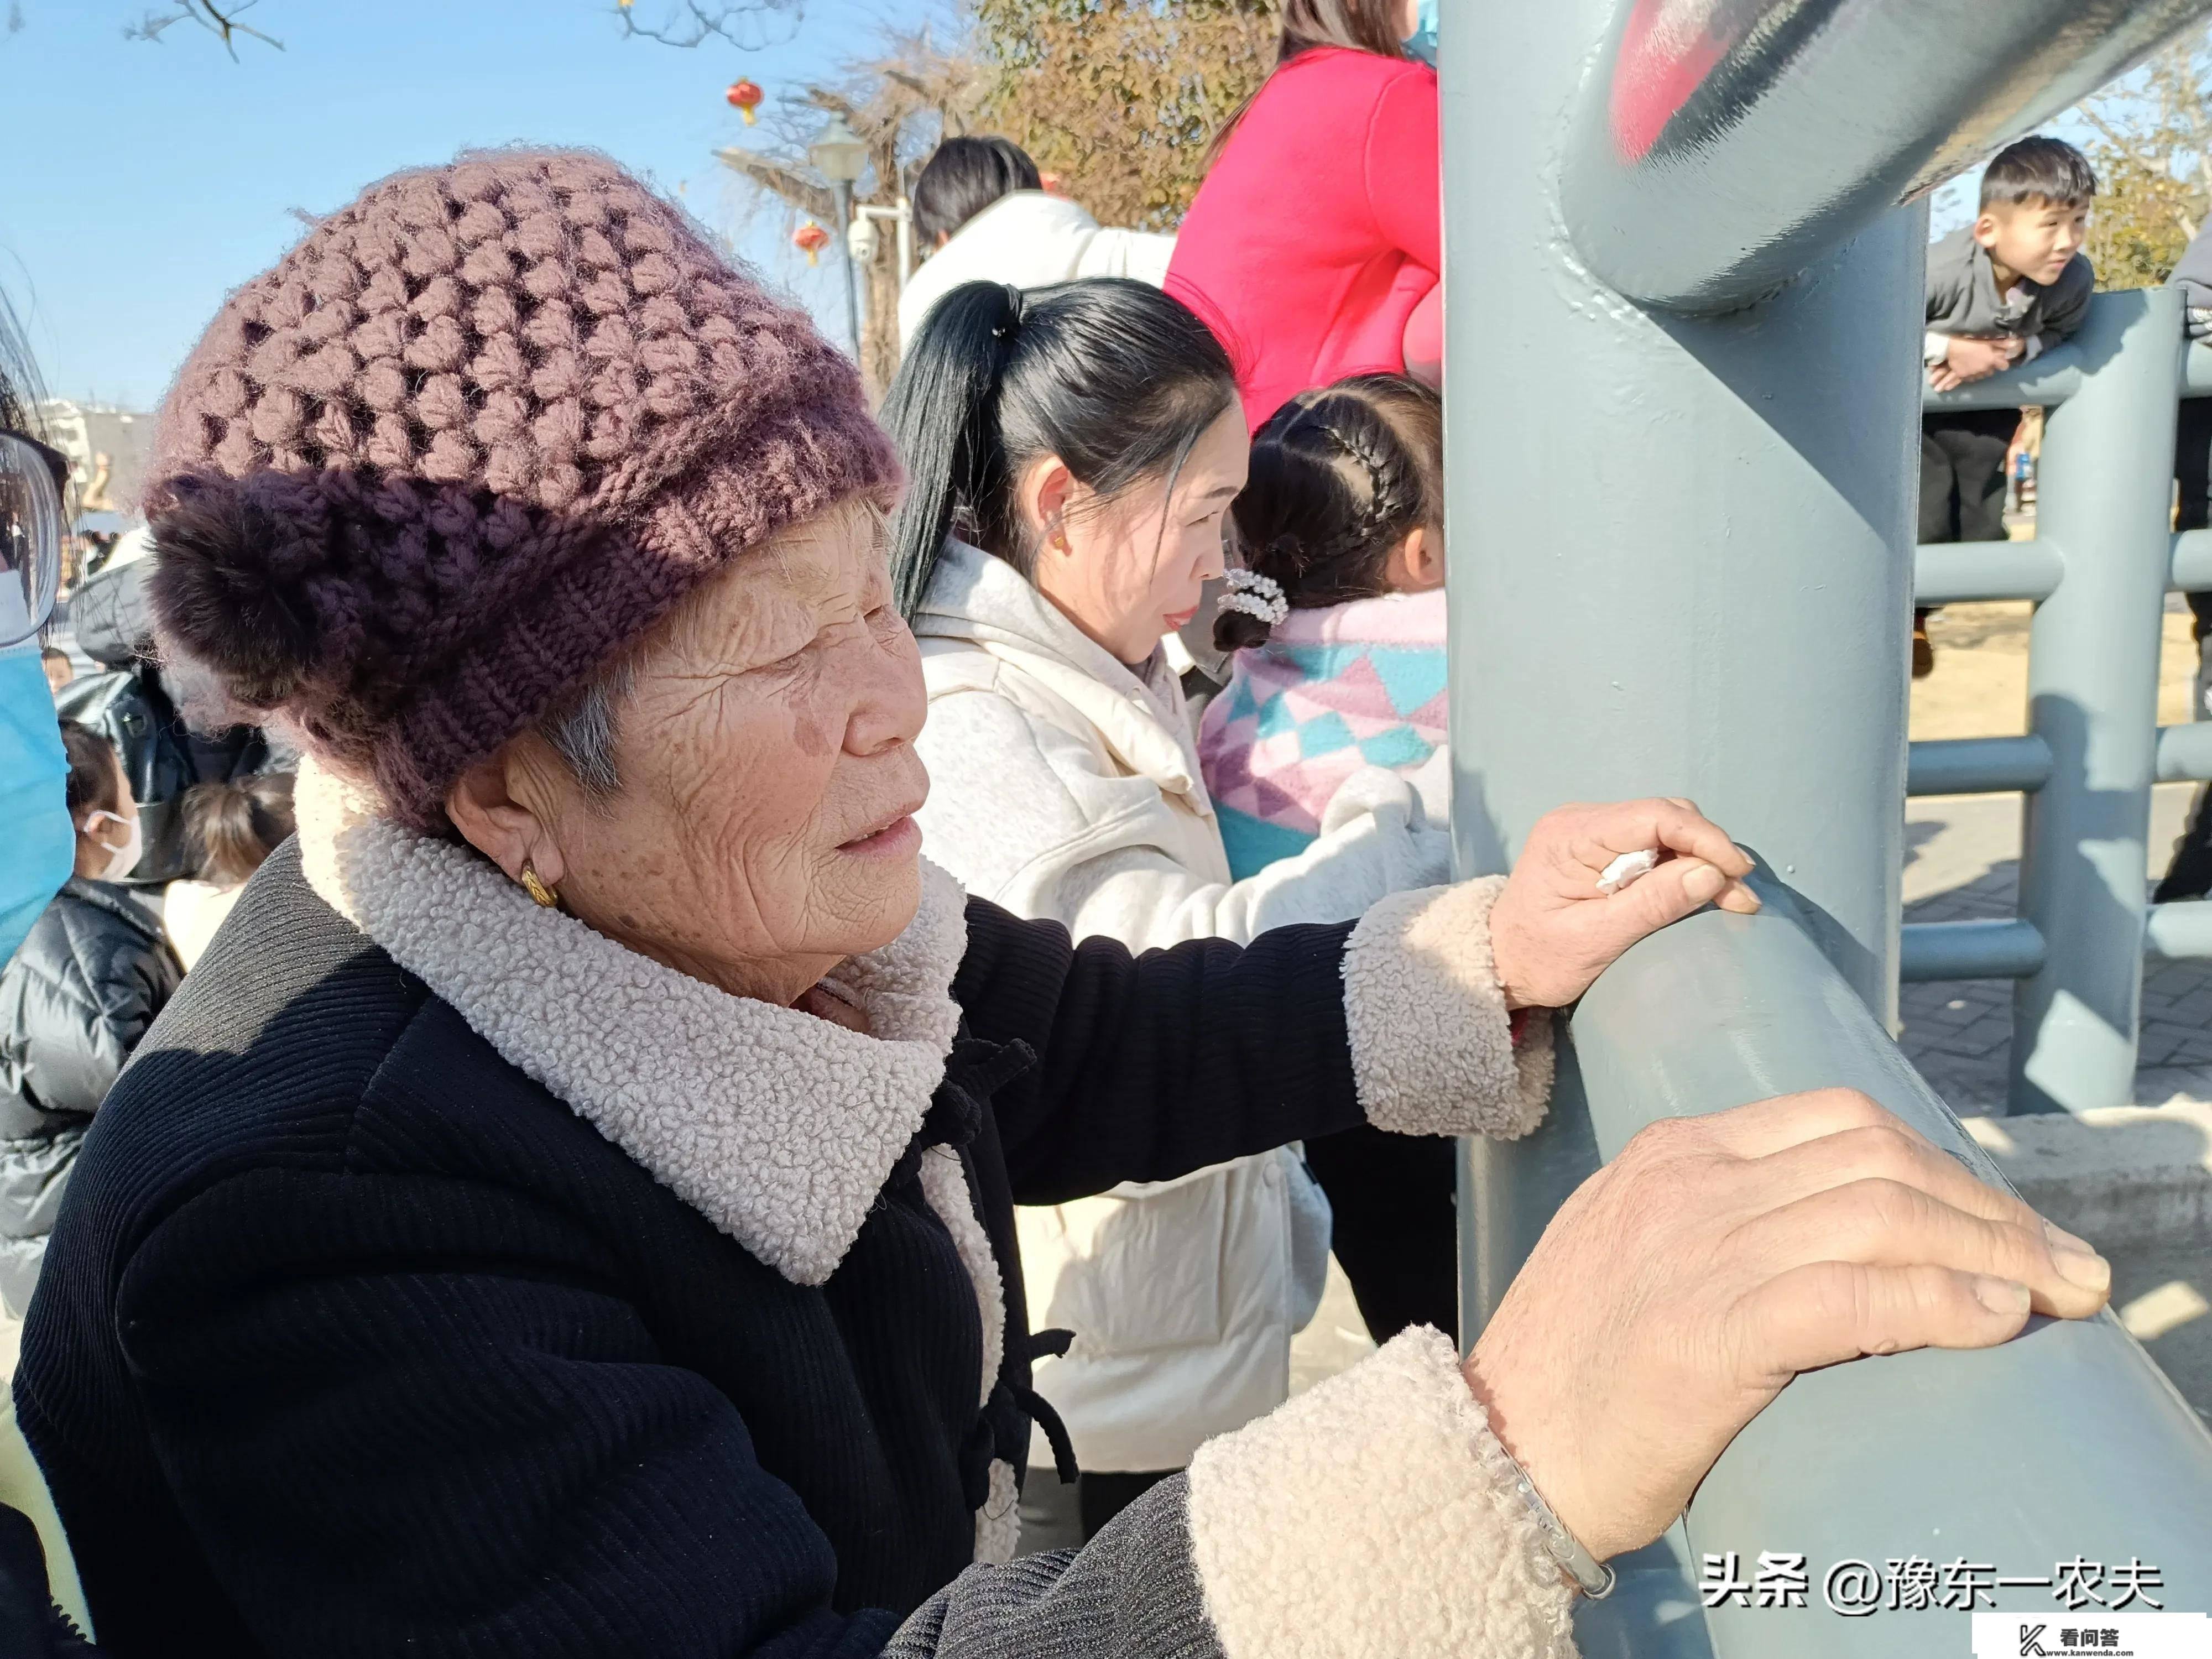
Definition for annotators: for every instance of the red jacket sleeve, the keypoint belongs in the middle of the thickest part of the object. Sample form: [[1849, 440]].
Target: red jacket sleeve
[[1404, 167]]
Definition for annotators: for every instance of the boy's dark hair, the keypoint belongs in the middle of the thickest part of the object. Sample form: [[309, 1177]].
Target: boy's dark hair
[[93, 772], [1339, 476], [965, 176], [1110, 375], [233, 826], [2038, 169]]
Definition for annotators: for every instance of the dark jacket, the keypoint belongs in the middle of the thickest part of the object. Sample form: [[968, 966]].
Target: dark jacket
[[1963, 297], [2192, 275], [74, 999], [355, 1339], [131, 706]]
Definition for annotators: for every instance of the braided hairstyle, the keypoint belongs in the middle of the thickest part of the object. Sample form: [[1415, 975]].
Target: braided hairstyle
[[1341, 475]]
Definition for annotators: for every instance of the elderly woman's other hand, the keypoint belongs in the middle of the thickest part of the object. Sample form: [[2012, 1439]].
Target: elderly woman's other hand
[[1553, 929], [1681, 1287]]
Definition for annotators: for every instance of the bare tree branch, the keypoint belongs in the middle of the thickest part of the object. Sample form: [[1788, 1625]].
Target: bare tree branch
[[2118, 140], [749, 25], [2152, 147], [900, 99], [782, 180], [220, 21]]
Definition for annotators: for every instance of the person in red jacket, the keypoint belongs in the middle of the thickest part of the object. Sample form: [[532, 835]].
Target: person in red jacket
[[1317, 234]]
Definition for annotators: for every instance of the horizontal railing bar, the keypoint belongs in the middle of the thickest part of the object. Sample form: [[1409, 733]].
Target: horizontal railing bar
[[2053, 377], [1724, 1009], [2184, 753], [2181, 931], [2189, 564], [1950, 573], [2009, 949], [1977, 766]]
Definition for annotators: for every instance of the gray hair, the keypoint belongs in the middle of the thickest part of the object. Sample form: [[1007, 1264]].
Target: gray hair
[[582, 728]]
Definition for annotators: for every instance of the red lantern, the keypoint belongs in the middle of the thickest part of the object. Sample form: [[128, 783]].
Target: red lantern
[[809, 239], [745, 96]]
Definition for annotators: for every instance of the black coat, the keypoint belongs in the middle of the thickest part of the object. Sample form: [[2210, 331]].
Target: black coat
[[354, 1339], [132, 707], [74, 999]]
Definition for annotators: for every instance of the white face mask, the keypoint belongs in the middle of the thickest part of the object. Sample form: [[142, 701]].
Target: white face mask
[[121, 860]]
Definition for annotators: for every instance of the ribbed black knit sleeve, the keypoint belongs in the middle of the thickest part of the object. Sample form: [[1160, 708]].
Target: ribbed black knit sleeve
[[1151, 1067], [402, 1414], [390, 1444]]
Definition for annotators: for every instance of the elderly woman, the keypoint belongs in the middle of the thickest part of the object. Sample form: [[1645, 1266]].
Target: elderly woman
[[570, 1208]]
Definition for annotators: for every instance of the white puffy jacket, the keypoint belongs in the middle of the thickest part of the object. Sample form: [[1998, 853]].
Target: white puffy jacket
[[1065, 786], [1030, 240]]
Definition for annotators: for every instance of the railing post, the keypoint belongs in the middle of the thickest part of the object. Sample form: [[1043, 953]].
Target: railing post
[[1680, 546], [1681, 559], [2104, 494]]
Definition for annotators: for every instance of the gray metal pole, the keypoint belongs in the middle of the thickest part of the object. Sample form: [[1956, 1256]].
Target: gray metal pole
[[2065, 1443], [1680, 547], [2103, 501], [844, 189], [1680, 564], [1725, 145]]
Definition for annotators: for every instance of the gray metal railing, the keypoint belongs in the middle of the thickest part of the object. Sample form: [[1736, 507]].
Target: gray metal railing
[[1722, 1009], [2103, 559], [1680, 499]]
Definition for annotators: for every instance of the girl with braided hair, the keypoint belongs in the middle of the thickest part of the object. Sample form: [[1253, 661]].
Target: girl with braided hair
[[1336, 618], [1335, 624]]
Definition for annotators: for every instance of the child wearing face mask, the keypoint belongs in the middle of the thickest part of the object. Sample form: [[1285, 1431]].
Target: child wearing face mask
[[74, 999]]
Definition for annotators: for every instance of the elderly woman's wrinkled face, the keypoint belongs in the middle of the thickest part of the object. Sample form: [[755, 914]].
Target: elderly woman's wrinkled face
[[763, 827]]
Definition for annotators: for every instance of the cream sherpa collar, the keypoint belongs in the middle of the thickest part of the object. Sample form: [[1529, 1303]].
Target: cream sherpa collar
[[778, 1126]]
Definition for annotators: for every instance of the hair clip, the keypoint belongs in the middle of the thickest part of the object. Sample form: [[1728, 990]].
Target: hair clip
[[1256, 595]]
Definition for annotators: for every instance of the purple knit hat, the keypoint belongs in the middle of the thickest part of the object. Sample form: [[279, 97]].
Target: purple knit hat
[[470, 438]]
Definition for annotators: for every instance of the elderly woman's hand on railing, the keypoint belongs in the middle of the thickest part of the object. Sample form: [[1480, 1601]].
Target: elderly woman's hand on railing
[[1681, 1287], [1553, 929]]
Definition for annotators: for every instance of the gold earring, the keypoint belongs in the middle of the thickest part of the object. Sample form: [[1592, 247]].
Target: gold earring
[[540, 894]]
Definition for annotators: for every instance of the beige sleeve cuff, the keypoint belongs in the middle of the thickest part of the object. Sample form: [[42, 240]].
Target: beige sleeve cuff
[[1432, 1048], [1374, 1515]]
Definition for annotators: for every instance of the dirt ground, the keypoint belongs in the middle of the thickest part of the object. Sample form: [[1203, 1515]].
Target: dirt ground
[[1979, 688]]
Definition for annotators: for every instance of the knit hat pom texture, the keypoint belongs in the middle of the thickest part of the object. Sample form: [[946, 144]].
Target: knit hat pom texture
[[470, 438]]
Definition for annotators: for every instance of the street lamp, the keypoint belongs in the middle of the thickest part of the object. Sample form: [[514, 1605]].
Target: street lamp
[[840, 154]]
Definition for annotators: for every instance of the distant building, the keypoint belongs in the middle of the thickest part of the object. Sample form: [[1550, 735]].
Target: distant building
[[107, 448]]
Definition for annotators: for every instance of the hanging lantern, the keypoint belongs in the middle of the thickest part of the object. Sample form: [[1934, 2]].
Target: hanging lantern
[[744, 97], [811, 239]]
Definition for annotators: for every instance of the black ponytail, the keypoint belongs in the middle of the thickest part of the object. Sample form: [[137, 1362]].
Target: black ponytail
[[1340, 476], [1110, 375]]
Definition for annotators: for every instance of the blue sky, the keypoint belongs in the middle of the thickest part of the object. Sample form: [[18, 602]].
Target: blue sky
[[145, 180]]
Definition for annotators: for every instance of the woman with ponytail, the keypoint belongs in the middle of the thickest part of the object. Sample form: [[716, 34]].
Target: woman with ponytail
[[1071, 456]]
